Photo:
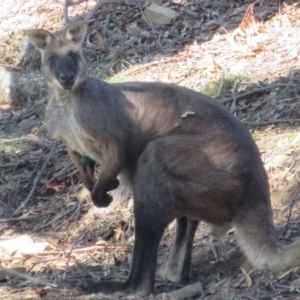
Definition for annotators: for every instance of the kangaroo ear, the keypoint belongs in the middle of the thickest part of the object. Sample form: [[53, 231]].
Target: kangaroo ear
[[76, 31], [40, 38]]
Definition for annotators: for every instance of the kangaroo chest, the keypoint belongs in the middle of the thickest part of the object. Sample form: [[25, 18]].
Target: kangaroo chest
[[62, 125]]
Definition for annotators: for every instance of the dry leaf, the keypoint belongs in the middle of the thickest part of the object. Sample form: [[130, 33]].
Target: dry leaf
[[9, 231], [83, 193], [117, 233], [57, 186], [249, 25], [6, 106], [101, 243], [23, 245], [53, 240], [99, 37], [258, 48], [133, 29], [248, 278]]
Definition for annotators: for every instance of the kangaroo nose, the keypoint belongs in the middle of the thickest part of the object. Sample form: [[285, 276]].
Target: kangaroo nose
[[66, 79]]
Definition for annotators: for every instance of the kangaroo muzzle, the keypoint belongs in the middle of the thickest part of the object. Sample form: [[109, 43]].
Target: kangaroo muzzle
[[66, 79]]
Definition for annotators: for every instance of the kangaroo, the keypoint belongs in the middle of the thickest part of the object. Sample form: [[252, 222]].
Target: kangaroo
[[182, 153]]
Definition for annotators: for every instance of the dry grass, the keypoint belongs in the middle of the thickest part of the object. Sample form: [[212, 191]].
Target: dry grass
[[250, 64]]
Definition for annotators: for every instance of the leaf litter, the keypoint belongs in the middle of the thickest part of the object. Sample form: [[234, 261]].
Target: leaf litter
[[247, 54]]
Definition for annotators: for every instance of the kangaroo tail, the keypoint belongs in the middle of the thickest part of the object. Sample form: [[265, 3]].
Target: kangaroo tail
[[257, 237]]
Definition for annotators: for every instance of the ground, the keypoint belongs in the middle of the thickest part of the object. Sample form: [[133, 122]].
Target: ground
[[244, 55]]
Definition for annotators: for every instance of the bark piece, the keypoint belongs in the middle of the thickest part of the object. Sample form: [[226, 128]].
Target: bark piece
[[160, 15]]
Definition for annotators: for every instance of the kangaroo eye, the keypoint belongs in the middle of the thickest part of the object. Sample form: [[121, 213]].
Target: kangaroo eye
[[52, 58], [74, 56]]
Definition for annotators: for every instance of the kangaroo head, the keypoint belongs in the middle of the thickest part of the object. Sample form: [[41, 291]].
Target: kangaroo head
[[63, 64]]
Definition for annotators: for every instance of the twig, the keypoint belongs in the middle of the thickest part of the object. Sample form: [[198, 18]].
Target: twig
[[23, 218], [68, 3], [233, 104], [32, 110], [31, 138], [66, 14], [276, 294], [36, 181], [213, 249], [75, 242], [64, 171], [288, 170], [264, 123], [186, 292], [151, 25], [66, 221], [186, 75], [257, 90], [79, 250], [289, 218], [221, 85], [54, 220], [27, 277], [153, 63], [82, 267]]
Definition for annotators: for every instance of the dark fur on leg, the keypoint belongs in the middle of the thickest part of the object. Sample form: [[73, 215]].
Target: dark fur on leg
[[177, 269]]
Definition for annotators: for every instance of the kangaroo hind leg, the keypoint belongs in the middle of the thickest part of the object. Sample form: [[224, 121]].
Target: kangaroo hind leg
[[177, 269]]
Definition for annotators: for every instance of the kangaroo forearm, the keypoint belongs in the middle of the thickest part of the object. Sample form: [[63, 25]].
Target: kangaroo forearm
[[107, 181], [87, 180]]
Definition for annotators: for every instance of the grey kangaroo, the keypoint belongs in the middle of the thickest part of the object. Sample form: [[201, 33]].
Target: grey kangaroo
[[183, 154]]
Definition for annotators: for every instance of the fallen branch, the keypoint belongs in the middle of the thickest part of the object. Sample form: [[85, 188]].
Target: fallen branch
[[186, 292], [35, 182], [257, 90], [85, 249], [27, 277], [264, 123], [31, 138], [23, 218]]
